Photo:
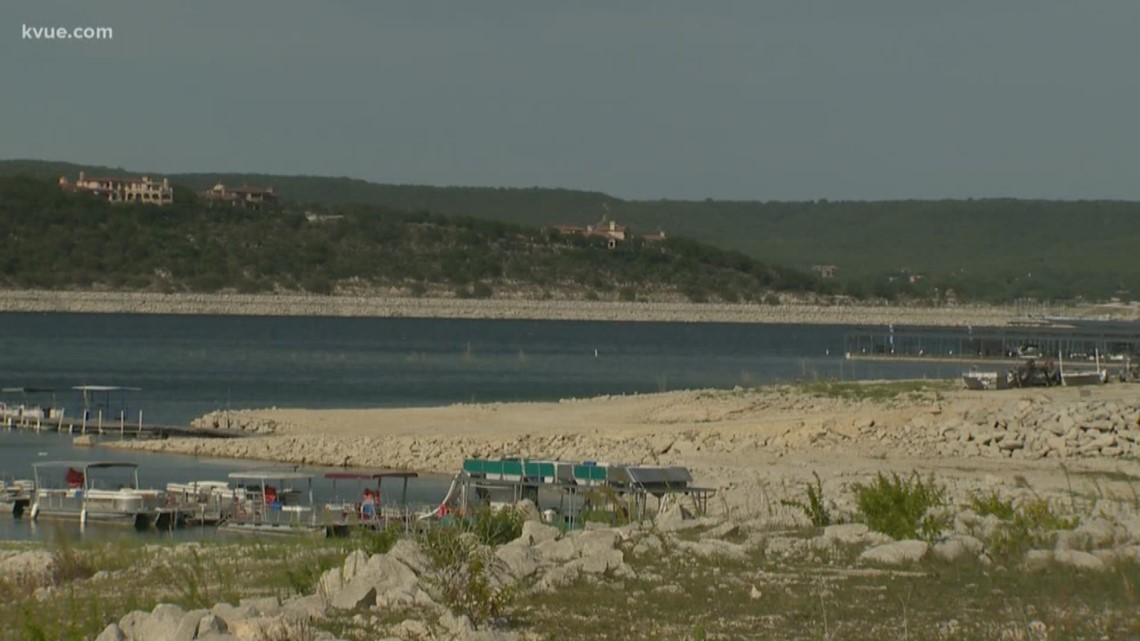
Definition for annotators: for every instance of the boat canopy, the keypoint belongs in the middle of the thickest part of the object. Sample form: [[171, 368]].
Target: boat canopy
[[270, 475], [106, 388], [364, 476], [85, 464], [27, 390]]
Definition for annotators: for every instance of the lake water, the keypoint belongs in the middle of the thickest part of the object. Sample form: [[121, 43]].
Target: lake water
[[189, 365]]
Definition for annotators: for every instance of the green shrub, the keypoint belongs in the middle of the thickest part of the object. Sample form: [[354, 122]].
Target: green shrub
[[815, 509], [991, 504], [899, 507], [462, 574], [496, 527], [1031, 526], [627, 294], [380, 541]]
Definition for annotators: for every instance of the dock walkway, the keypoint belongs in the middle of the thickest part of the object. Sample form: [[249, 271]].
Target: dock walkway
[[81, 426]]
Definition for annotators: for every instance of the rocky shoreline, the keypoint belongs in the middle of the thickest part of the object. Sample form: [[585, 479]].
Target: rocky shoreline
[[743, 442], [395, 306], [1024, 488]]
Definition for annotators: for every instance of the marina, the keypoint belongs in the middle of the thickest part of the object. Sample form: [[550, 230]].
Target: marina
[[295, 501]]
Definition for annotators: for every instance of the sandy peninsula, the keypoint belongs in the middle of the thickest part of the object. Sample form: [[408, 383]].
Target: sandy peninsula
[[388, 305]]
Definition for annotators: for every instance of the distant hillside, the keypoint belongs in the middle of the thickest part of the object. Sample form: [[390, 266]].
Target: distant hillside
[[995, 249], [58, 239]]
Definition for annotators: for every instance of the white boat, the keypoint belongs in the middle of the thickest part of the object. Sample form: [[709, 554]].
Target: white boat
[[273, 502], [36, 407], [16, 496], [1084, 378], [366, 506], [97, 491], [202, 502], [986, 380]]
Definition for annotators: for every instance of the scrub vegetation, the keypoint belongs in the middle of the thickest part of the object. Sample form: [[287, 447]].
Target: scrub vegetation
[[78, 241], [992, 250]]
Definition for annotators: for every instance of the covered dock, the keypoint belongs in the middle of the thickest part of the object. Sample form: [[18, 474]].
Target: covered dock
[[1112, 343], [580, 486]]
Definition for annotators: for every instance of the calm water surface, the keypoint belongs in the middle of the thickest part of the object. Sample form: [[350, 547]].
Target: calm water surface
[[189, 365]]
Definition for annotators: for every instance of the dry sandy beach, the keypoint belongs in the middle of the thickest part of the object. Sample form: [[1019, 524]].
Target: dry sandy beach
[[380, 305]]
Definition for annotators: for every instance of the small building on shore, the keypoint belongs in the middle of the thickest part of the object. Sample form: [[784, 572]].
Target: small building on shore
[[122, 189]]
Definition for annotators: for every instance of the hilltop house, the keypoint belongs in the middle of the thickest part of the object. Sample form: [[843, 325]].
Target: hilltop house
[[123, 189], [244, 196], [825, 271], [611, 230]]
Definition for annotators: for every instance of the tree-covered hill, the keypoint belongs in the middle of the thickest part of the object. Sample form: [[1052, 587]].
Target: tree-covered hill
[[995, 249], [57, 239]]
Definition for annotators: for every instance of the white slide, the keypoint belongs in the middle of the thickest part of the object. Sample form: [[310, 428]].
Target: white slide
[[452, 494]]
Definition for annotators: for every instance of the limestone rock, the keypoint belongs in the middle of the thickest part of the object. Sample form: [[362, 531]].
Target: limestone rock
[[1038, 559], [1079, 560], [211, 624], [536, 533], [230, 614], [555, 552], [714, 548], [897, 553], [111, 633], [264, 606], [957, 547], [519, 559], [33, 567], [410, 554], [726, 529], [594, 542], [358, 594]]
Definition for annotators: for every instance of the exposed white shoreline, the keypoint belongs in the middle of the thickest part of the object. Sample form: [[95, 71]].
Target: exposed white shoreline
[[379, 306]]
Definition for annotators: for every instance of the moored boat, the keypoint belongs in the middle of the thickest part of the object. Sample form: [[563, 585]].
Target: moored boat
[[366, 507], [16, 496], [97, 491], [274, 502], [986, 380], [202, 502]]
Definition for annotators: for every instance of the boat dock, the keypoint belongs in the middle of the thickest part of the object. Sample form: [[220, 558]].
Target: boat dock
[[1114, 346], [118, 427], [38, 411]]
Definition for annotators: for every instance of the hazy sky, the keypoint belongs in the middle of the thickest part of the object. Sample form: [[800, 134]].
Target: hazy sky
[[757, 99]]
